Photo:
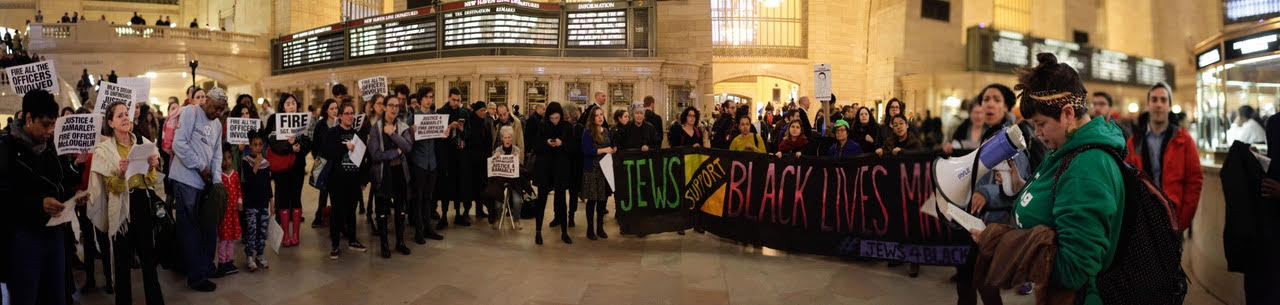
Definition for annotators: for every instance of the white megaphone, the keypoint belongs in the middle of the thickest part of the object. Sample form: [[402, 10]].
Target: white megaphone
[[953, 177]]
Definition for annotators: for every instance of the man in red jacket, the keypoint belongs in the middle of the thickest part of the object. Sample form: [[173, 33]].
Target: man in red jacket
[[1166, 153]]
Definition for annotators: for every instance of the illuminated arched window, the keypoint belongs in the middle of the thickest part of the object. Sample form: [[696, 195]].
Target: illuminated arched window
[[758, 28]]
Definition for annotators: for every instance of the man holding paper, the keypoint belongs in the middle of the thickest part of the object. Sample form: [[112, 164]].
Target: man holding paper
[[35, 181]]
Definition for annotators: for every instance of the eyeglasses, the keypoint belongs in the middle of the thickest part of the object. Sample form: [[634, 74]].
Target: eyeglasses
[[393, 105], [348, 113]]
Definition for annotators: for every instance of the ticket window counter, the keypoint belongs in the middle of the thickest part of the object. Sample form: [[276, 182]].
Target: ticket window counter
[[678, 98], [577, 93], [496, 92], [464, 87], [535, 94], [620, 97]]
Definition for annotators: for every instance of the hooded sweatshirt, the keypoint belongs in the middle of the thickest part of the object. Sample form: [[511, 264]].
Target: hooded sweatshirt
[[1086, 212]]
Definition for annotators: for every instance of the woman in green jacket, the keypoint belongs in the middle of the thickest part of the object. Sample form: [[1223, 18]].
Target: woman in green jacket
[[1085, 210]]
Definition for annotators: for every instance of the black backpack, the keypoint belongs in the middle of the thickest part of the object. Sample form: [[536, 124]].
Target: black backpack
[[1147, 266]]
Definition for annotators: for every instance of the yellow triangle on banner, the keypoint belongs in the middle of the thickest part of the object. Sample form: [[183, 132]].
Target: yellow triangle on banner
[[715, 204]]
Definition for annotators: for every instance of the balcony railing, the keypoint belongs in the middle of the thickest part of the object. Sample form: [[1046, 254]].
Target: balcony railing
[[98, 36], [70, 31]]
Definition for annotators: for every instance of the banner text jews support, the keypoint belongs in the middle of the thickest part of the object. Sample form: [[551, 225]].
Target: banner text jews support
[[857, 207]]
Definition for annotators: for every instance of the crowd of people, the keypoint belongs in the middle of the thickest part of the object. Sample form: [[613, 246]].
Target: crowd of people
[[199, 196]]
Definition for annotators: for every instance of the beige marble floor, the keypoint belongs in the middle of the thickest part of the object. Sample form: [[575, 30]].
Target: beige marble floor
[[476, 265]]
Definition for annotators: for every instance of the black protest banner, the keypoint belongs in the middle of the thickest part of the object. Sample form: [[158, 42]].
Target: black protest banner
[[857, 207], [647, 192]]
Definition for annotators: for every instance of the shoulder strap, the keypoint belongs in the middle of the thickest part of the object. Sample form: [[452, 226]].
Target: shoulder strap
[[1070, 155]]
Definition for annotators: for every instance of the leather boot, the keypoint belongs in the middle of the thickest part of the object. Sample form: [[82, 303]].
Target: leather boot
[[600, 221], [382, 237], [400, 247]]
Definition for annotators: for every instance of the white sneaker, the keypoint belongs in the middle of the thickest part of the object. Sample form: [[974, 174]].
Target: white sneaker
[[253, 267], [262, 262]]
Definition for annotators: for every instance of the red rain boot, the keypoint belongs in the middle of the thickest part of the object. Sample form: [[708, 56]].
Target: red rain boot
[[284, 226], [297, 222]]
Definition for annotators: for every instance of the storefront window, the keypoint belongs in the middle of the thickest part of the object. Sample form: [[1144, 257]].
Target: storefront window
[[496, 92], [535, 92], [1222, 90], [464, 87], [620, 96], [577, 92], [678, 97]]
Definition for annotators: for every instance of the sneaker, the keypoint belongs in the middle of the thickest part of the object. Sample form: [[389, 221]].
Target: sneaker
[[205, 286], [333, 254], [228, 268], [262, 262], [357, 246], [253, 265]]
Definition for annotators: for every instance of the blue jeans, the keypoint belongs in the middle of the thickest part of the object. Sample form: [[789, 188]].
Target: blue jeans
[[38, 262], [197, 246]]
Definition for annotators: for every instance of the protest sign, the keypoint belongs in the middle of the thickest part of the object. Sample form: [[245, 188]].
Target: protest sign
[[40, 75], [291, 124], [76, 133], [822, 82], [506, 166], [430, 126], [109, 93], [238, 130], [360, 120], [141, 87], [373, 85]]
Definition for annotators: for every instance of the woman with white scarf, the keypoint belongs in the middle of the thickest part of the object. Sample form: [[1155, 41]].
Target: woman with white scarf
[[122, 206]]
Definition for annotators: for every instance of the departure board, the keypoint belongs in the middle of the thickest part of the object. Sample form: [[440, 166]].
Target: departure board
[[1112, 66], [1068, 53], [1010, 49], [1149, 71], [511, 23], [599, 27], [312, 47], [407, 31]]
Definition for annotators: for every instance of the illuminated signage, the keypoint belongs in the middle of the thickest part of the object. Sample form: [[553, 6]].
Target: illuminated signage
[[1208, 58], [594, 6], [1148, 71], [501, 25], [597, 29], [1067, 52], [313, 49], [1263, 42], [1010, 49], [1111, 66]]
